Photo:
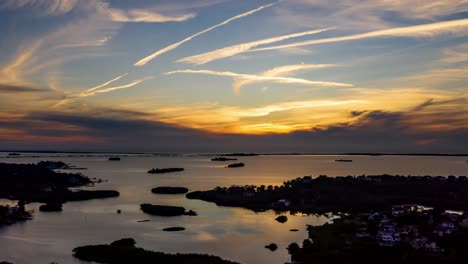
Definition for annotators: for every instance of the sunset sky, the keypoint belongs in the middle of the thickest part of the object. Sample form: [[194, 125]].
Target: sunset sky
[[234, 75]]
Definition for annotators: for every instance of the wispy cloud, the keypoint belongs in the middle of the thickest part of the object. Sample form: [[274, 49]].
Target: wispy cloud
[[110, 89], [262, 78], [425, 30], [100, 89], [281, 71], [241, 48], [141, 15], [106, 83], [177, 44]]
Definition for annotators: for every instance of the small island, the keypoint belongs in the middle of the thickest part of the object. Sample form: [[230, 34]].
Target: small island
[[124, 251], [169, 190], [114, 159], [174, 229], [12, 214], [38, 183], [222, 159], [165, 170], [166, 210], [281, 219], [51, 207], [240, 154], [343, 160], [272, 247], [236, 165]]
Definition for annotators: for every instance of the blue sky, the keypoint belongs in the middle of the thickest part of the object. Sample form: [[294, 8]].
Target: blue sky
[[223, 72]]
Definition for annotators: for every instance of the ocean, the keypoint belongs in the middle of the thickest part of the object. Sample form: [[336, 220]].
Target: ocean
[[232, 233]]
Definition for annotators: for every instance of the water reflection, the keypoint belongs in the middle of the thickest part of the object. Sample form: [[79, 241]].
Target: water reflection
[[233, 233]]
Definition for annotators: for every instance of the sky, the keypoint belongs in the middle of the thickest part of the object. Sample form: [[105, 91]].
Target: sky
[[305, 76]]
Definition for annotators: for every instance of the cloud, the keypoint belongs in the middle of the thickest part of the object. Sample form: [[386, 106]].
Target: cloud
[[374, 131], [106, 83], [63, 7], [261, 78], [46, 7], [177, 44], [142, 15], [282, 71], [241, 48], [100, 89], [426, 30], [110, 89], [9, 88]]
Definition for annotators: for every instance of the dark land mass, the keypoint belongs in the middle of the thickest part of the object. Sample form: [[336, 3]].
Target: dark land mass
[[241, 154], [37, 183], [114, 158], [344, 194], [124, 251], [51, 207], [165, 170], [174, 229], [281, 219], [12, 214], [53, 165], [236, 165], [169, 190], [222, 159], [405, 235], [272, 246], [165, 210], [344, 160]]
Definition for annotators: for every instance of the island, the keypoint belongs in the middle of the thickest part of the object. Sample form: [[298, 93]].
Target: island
[[169, 190], [344, 193], [114, 159], [165, 210], [272, 247], [344, 160], [174, 229], [165, 170], [53, 165], [241, 154], [51, 207], [222, 159], [402, 234], [236, 165], [124, 251], [12, 214], [38, 183]]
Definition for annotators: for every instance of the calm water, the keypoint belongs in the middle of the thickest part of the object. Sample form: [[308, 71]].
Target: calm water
[[232, 233]]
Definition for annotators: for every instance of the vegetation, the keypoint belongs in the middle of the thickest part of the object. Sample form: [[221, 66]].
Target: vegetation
[[236, 165], [344, 194], [38, 183], [282, 219], [339, 242], [222, 159], [124, 251], [10, 215], [174, 229], [51, 207], [165, 210], [272, 246], [165, 170], [169, 190]]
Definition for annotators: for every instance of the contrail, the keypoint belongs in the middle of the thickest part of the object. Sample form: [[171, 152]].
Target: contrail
[[175, 45], [260, 78], [106, 83], [243, 47], [425, 30]]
